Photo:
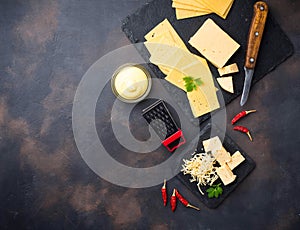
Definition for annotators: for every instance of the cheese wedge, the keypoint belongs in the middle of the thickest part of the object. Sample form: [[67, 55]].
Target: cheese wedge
[[226, 83], [225, 174], [229, 69], [213, 43], [236, 159]]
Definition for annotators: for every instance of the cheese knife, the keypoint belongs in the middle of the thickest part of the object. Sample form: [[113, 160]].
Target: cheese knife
[[257, 26]]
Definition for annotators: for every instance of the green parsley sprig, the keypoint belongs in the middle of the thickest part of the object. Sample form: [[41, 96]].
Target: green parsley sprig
[[214, 191], [191, 83]]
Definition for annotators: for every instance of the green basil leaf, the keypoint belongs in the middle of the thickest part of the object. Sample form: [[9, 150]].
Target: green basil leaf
[[210, 195], [220, 190], [189, 88], [209, 190], [216, 195]]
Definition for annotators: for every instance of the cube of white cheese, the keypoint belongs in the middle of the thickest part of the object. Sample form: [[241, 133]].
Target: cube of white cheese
[[222, 156], [236, 159], [212, 145], [225, 174]]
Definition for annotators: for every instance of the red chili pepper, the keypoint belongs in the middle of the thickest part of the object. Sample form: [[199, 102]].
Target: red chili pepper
[[173, 200], [184, 201], [240, 115], [164, 193], [243, 130]]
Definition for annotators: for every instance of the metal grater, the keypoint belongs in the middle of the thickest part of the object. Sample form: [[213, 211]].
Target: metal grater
[[160, 119]]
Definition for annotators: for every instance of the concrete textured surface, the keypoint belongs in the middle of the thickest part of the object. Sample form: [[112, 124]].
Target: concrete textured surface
[[45, 49]]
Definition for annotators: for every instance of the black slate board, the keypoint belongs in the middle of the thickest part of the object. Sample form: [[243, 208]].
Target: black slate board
[[240, 171], [275, 46]]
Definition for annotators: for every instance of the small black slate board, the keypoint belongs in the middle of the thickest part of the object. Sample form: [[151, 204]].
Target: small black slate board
[[240, 171], [275, 46]]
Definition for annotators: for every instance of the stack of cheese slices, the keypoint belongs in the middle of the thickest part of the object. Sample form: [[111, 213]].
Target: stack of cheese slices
[[194, 8]]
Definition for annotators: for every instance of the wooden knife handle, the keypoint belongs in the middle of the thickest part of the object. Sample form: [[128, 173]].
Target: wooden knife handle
[[255, 33]]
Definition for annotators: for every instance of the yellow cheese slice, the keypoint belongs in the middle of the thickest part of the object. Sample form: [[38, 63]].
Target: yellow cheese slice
[[226, 83], [225, 174], [218, 6], [229, 69], [154, 44], [185, 6], [176, 78], [183, 13], [164, 69], [208, 87], [224, 15], [194, 3], [236, 159], [198, 102], [213, 43], [161, 28]]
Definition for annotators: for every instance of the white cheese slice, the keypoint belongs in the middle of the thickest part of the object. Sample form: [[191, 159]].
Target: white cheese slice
[[226, 83], [236, 159], [225, 174]]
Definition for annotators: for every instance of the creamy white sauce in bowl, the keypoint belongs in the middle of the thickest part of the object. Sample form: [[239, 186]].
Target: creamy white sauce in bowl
[[131, 83]]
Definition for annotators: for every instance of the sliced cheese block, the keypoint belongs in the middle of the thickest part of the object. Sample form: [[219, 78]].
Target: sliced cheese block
[[226, 83], [222, 156], [220, 7], [213, 43], [229, 69], [236, 159], [225, 174], [212, 145]]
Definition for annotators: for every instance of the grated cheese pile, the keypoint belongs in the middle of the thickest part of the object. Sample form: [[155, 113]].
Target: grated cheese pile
[[201, 168]]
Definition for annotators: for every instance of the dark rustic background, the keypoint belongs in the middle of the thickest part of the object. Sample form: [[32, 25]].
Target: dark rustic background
[[45, 48]]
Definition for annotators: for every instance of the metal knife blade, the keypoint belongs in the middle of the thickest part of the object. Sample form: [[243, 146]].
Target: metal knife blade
[[247, 85], [260, 12]]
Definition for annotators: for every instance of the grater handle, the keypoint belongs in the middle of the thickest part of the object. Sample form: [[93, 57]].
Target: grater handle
[[173, 138]]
